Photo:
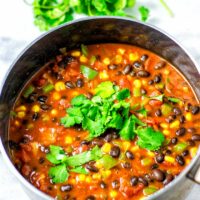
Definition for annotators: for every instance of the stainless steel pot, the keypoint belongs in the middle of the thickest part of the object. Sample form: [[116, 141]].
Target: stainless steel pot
[[90, 31]]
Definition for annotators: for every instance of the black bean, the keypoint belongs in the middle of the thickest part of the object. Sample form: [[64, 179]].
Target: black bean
[[188, 107], [134, 181], [44, 149], [91, 197], [59, 76], [174, 140], [143, 91], [157, 79], [132, 73], [129, 155], [127, 69], [112, 67], [160, 158], [168, 179], [195, 110], [45, 107], [115, 135], [180, 160], [185, 153], [66, 188], [97, 142], [137, 65], [35, 116], [182, 119], [13, 145], [191, 130], [89, 95], [143, 73], [115, 152], [158, 175], [181, 131], [191, 143], [69, 84], [31, 98], [118, 73], [115, 184], [25, 140], [148, 177], [177, 111], [158, 113], [170, 118], [108, 137], [154, 166], [103, 185], [126, 165], [79, 83], [91, 168], [41, 160], [168, 152], [143, 181], [85, 142], [67, 197], [42, 99], [66, 60], [160, 65], [144, 57], [151, 82], [195, 137], [78, 127]]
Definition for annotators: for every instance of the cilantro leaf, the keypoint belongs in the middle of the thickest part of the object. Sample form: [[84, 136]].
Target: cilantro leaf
[[105, 89], [126, 132], [59, 173], [79, 170], [144, 12], [149, 139], [142, 111], [158, 97], [123, 94], [78, 100]]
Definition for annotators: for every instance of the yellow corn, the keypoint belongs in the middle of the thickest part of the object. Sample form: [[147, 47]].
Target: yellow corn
[[121, 51], [118, 59], [193, 152], [181, 104], [169, 159], [88, 179], [59, 86], [21, 108], [80, 177], [35, 108], [166, 72], [72, 181], [187, 161], [164, 125], [106, 61], [188, 116], [103, 75], [21, 114], [133, 57], [106, 147], [174, 124], [166, 132], [83, 59], [185, 89], [144, 82], [29, 126], [76, 53], [74, 93], [98, 164], [56, 96], [137, 83], [17, 123], [96, 176], [113, 194], [135, 148], [151, 154], [45, 117], [68, 140], [126, 145], [54, 112]]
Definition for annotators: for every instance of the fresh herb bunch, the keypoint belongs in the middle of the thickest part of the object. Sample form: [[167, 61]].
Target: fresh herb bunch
[[51, 13]]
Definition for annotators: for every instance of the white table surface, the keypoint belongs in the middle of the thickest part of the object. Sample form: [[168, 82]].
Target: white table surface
[[17, 30]]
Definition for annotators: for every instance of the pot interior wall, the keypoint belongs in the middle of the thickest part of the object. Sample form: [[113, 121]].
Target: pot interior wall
[[89, 31]]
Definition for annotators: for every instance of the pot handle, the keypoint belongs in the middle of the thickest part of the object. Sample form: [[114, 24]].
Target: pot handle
[[194, 173]]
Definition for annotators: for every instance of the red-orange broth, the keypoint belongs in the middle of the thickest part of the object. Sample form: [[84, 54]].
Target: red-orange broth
[[138, 172]]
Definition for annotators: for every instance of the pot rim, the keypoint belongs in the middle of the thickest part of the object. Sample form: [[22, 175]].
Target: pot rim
[[9, 163]]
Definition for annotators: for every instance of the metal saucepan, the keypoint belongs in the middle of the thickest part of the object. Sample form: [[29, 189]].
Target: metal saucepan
[[91, 31]]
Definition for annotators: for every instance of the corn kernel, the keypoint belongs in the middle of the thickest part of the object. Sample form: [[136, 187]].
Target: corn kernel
[[144, 82], [151, 154], [68, 140], [164, 125], [88, 179], [135, 148], [96, 176], [113, 194], [118, 59], [107, 173], [185, 89], [187, 161], [175, 124], [98, 164], [103, 75], [56, 96], [76, 53], [74, 93], [30, 126], [166, 72], [133, 57], [54, 112], [137, 83], [83, 59], [106, 61], [193, 152], [80, 177], [126, 145], [35, 108], [106, 147], [180, 103], [21, 114], [169, 159], [121, 51], [188, 116], [21, 108], [166, 132], [17, 123], [72, 181], [45, 117], [59, 86]]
